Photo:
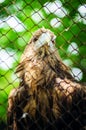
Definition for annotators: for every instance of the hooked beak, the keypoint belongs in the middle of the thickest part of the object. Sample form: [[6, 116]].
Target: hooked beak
[[45, 38]]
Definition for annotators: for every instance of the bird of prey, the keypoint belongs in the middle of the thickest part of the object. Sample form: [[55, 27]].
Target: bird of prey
[[48, 97]]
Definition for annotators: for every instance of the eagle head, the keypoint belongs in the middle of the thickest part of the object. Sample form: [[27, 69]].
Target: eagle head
[[41, 44], [44, 37]]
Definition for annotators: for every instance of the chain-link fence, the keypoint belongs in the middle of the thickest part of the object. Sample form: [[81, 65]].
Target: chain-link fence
[[18, 22]]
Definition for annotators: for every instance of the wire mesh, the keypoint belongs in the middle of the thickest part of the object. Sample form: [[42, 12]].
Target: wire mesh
[[59, 100]]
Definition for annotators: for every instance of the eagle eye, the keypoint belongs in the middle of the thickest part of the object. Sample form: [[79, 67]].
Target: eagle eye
[[35, 39], [53, 41]]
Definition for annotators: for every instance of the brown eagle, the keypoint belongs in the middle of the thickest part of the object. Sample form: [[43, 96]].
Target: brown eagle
[[48, 97]]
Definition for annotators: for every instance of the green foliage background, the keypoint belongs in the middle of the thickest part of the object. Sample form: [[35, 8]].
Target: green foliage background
[[70, 30]]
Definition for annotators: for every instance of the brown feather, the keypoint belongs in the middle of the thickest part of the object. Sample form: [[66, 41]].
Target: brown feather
[[47, 94]]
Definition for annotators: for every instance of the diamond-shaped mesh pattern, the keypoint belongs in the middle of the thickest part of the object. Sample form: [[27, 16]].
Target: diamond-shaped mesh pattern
[[65, 107]]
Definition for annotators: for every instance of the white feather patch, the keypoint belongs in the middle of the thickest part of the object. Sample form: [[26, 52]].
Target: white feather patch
[[24, 115]]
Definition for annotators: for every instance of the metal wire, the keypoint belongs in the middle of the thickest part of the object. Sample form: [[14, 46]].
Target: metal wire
[[18, 22]]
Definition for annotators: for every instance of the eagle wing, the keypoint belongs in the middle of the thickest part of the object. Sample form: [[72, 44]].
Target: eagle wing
[[16, 101], [61, 103]]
